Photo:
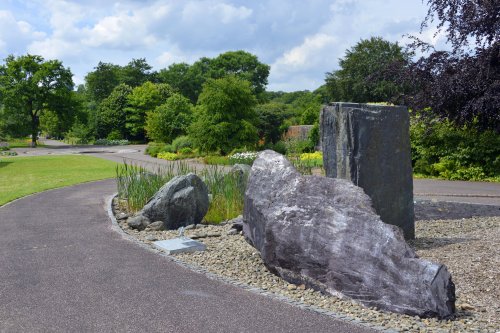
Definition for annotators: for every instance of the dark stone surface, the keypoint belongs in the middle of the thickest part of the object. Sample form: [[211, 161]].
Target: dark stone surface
[[370, 146], [179, 203], [324, 233]]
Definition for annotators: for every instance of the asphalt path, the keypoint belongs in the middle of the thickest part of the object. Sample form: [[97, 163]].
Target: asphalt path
[[64, 269]]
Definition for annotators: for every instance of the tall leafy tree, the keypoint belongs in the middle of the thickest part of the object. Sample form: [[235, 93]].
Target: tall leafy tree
[[112, 117], [271, 124], [244, 65], [170, 119], [29, 85], [101, 82], [136, 73], [462, 84], [358, 78], [141, 100], [189, 79], [225, 117]]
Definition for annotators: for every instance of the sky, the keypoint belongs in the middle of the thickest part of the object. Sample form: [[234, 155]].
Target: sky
[[300, 40]]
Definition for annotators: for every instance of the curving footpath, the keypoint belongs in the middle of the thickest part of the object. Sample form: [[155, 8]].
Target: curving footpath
[[63, 269]]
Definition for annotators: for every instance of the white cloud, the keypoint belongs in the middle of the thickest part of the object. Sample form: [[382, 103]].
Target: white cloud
[[15, 34]]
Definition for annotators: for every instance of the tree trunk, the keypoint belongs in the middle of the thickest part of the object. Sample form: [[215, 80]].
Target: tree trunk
[[34, 129]]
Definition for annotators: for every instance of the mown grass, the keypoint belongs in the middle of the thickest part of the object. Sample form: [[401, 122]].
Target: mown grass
[[137, 185], [21, 176], [21, 143]]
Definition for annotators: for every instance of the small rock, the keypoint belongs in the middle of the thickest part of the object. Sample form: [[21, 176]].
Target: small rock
[[291, 287], [151, 238], [156, 226], [121, 216], [189, 227], [302, 287], [201, 226], [466, 307], [196, 236], [232, 232], [138, 222]]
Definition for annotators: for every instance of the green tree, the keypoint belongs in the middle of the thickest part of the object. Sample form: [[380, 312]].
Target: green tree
[[359, 78], [29, 85], [271, 125], [101, 82], [244, 65], [225, 116], [136, 73], [170, 119], [141, 100], [189, 80], [112, 115]]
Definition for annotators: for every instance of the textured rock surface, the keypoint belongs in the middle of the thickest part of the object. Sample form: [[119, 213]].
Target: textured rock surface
[[138, 222], [180, 202], [323, 233], [370, 146]]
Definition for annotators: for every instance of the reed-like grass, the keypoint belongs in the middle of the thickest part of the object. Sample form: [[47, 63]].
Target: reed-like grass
[[137, 185]]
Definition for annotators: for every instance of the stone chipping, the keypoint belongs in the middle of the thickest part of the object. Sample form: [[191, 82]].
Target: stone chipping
[[469, 248]]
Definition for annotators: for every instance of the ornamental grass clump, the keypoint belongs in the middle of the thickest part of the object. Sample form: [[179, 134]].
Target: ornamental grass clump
[[137, 186]]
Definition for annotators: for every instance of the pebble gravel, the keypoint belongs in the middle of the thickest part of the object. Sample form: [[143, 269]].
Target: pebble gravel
[[468, 247]]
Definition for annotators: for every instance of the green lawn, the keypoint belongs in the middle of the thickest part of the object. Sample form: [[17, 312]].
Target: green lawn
[[20, 176]]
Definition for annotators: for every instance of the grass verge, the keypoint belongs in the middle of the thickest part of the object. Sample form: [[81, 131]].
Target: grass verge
[[21, 176]]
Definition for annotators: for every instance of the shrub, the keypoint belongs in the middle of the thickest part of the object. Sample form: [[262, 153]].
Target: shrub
[[312, 159], [186, 151], [165, 155], [8, 153], [154, 148], [439, 149], [182, 141], [216, 160], [4, 148]]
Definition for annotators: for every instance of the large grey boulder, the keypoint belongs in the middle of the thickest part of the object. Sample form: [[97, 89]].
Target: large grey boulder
[[324, 233], [180, 202], [370, 146]]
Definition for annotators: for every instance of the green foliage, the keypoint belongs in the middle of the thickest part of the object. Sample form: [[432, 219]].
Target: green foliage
[[112, 112], [439, 149], [189, 80], [143, 99], [154, 148], [170, 119], [216, 160], [314, 135], [29, 85], [101, 82], [225, 116], [78, 134], [295, 146], [359, 79], [271, 125], [168, 156], [182, 142], [138, 185]]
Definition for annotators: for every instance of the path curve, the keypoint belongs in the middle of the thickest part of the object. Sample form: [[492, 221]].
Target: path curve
[[63, 268]]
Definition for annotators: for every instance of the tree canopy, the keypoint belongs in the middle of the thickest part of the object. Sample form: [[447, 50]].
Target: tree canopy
[[169, 120], [189, 79], [463, 84], [358, 78], [225, 117], [30, 85]]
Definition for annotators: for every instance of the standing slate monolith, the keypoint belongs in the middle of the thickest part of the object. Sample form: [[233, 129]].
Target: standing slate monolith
[[370, 146], [180, 202], [324, 233]]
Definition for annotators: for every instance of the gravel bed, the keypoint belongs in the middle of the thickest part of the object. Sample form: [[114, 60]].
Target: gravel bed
[[469, 248]]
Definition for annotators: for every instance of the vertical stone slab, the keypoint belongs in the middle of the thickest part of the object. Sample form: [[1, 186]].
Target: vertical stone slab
[[370, 146]]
